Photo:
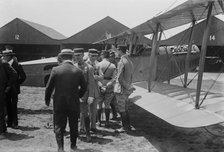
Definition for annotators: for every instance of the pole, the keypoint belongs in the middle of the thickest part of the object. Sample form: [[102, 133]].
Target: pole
[[203, 53], [152, 57], [188, 54]]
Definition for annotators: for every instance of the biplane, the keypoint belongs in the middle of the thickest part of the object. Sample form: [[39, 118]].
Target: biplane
[[179, 106]]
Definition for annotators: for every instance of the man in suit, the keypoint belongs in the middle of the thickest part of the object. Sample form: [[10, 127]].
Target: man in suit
[[88, 99], [92, 61], [12, 95], [124, 78], [69, 85], [8, 78]]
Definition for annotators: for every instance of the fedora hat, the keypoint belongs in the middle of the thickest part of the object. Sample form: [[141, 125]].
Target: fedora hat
[[7, 52], [78, 51], [66, 52]]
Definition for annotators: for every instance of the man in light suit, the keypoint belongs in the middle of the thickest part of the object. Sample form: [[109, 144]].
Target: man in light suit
[[88, 99], [12, 95], [69, 85], [92, 61], [8, 78], [124, 78]]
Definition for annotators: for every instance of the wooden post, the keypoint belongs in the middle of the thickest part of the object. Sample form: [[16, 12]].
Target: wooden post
[[202, 56], [152, 57], [188, 55]]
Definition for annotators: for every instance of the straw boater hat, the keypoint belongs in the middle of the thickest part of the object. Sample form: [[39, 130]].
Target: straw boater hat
[[93, 52], [66, 52], [7, 52], [78, 51]]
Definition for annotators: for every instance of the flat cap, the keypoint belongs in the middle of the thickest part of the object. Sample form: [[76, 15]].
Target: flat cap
[[78, 51], [93, 51]]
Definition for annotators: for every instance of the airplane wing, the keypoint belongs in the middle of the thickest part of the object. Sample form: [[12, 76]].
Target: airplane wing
[[175, 105], [180, 15]]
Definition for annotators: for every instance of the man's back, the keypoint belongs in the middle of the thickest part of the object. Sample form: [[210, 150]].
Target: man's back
[[66, 79]]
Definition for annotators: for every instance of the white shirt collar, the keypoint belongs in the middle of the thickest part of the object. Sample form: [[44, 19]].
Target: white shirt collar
[[10, 62]]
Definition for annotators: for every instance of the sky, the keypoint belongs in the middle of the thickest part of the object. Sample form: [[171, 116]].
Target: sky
[[71, 16]]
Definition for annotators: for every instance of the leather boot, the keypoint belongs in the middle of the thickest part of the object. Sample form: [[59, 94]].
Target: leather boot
[[99, 116], [60, 142], [125, 123], [107, 113], [87, 125], [128, 121]]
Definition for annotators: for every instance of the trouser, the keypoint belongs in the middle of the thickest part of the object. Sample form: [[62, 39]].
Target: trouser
[[2, 111], [122, 106], [88, 112], [105, 98], [12, 112], [60, 121], [113, 105]]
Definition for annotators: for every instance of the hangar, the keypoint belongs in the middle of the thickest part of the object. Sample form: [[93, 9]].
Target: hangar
[[30, 40]]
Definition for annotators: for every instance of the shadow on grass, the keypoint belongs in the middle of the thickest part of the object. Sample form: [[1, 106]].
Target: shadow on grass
[[28, 128], [32, 112], [98, 140], [16, 137]]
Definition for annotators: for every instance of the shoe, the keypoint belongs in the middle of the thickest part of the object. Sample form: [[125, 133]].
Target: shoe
[[88, 138], [94, 130], [15, 126], [115, 119], [121, 130], [107, 124], [82, 131], [73, 149], [2, 136]]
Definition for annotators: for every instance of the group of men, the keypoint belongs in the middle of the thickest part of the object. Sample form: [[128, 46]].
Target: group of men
[[12, 76], [83, 88]]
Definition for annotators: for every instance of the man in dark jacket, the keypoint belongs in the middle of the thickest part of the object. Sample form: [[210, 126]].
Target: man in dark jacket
[[7, 79], [12, 95], [69, 85]]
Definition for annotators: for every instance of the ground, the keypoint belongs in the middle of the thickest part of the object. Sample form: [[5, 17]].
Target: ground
[[151, 134]]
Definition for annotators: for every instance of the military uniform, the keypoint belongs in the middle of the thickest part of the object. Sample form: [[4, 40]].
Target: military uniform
[[124, 78], [107, 71]]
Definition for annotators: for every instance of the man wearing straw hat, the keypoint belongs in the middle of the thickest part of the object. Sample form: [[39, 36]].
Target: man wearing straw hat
[[12, 95], [7, 79], [69, 85]]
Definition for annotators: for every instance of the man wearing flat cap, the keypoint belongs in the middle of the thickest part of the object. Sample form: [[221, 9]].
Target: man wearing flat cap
[[69, 84], [92, 61], [107, 70], [87, 100], [12, 95]]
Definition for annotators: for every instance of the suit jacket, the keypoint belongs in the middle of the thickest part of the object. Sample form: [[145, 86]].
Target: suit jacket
[[88, 73], [21, 76], [93, 83], [125, 71], [7, 77], [69, 85]]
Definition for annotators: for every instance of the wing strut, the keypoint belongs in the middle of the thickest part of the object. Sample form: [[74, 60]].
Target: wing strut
[[188, 55], [203, 53], [153, 56]]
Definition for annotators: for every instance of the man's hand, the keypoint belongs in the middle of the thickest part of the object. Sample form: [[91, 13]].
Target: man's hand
[[7, 89], [90, 100]]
